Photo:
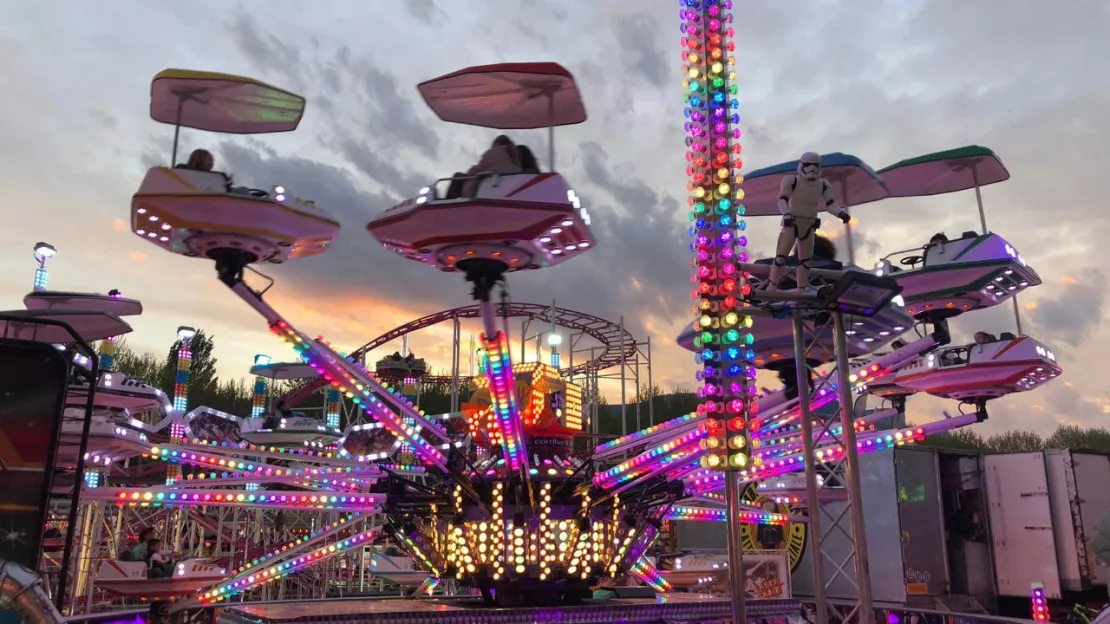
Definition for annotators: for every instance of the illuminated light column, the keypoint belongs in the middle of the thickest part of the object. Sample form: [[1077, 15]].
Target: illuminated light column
[[331, 407], [554, 340], [712, 158], [502, 391], [184, 364], [43, 252], [258, 405], [108, 345], [712, 119]]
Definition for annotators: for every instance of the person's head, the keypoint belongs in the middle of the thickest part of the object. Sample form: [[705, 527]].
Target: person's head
[[824, 248], [527, 159], [201, 160], [982, 337], [507, 144], [809, 166], [939, 238], [146, 534], [155, 546]]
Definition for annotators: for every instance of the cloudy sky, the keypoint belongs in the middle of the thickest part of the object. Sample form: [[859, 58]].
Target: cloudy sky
[[881, 80]]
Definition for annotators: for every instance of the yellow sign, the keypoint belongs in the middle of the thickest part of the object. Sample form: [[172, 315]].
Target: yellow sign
[[790, 538]]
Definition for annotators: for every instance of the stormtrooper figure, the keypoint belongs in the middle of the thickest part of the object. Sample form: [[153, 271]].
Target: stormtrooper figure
[[801, 198]]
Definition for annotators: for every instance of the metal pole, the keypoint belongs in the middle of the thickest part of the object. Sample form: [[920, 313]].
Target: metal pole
[[979, 198], [78, 480], [624, 423], [637, 395], [983, 223], [735, 547], [456, 338], [651, 386], [851, 457], [813, 502], [177, 129], [551, 131]]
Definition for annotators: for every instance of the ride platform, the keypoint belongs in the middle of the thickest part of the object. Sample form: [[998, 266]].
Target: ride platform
[[670, 607]]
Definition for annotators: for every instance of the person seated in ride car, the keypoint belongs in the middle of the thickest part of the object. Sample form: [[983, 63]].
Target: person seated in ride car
[[983, 337], [139, 551], [203, 160], [528, 162], [502, 157], [159, 563]]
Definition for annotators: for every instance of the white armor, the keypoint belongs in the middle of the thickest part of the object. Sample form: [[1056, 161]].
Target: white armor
[[801, 198]]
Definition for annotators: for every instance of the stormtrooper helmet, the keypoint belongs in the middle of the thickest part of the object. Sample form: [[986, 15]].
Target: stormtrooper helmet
[[809, 166]]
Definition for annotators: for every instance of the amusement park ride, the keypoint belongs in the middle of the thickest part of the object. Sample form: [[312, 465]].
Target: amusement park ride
[[500, 500]]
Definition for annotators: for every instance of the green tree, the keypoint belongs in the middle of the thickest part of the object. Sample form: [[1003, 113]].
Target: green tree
[[1075, 437], [203, 382], [1015, 442]]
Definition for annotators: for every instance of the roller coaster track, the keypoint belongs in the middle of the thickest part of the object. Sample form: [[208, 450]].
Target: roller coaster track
[[607, 333]]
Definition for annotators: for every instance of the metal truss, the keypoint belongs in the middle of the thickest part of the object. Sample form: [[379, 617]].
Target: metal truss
[[824, 522]]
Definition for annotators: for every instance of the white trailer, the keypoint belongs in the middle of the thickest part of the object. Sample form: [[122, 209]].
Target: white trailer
[[1043, 507]]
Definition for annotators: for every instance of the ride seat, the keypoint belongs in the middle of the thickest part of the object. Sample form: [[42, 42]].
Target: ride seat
[[181, 181]]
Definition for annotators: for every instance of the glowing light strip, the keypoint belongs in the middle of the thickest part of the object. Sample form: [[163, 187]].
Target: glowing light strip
[[321, 357], [747, 516], [499, 371], [239, 498], [302, 543], [243, 583], [680, 456], [428, 587], [645, 570], [258, 405], [644, 460], [258, 471], [181, 381], [646, 436], [331, 408]]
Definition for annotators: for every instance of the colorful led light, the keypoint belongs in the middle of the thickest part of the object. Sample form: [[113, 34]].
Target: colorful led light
[[156, 497], [502, 391], [713, 165], [349, 378], [1039, 603], [331, 408], [258, 405], [249, 580], [181, 380]]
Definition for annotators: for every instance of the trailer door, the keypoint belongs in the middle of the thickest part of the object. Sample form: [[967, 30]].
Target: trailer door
[[1092, 476], [1021, 524]]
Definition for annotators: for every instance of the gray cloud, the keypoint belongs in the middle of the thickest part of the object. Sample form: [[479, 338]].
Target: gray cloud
[[423, 10], [640, 43], [1077, 310]]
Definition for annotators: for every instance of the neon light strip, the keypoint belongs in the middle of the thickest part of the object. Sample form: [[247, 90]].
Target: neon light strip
[[679, 457], [238, 498], [181, 382], [352, 380], [297, 545], [258, 405], [747, 516], [502, 386], [645, 570], [646, 436], [248, 580], [645, 459], [218, 456], [331, 408]]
